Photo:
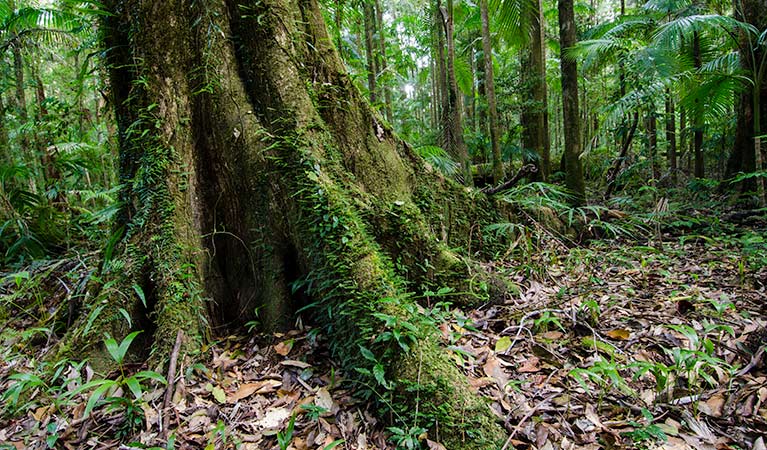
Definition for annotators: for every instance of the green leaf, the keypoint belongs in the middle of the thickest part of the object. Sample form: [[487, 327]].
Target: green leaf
[[502, 344], [150, 375], [135, 387], [379, 373], [334, 444], [367, 354], [140, 293], [118, 351], [96, 396], [218, 394]]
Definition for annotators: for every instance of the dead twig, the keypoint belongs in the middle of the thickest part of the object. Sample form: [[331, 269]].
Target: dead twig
[[171, 383]]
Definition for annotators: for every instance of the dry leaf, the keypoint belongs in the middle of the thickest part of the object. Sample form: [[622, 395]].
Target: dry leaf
[[619, 334], [273, 418], [431, 445], [248, 389], [324, 400], [284, 347], [591, 414], [552, 335], [713, 406], [295, 363], [493, 369], [529, 366]]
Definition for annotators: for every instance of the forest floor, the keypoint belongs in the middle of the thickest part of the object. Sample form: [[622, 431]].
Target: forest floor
[[612, 345]]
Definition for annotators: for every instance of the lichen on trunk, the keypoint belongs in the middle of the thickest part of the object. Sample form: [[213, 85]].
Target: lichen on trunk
[[258, 181]]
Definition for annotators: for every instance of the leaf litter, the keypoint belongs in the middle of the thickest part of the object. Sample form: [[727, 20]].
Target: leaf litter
[[611, 346]]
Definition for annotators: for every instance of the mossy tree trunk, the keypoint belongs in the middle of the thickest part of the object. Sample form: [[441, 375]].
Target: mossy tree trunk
[[257, 178]]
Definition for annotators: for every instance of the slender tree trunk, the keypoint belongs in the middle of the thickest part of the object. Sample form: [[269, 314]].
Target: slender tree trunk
[[652, 142], [475, 73], [698, 110], [442, 86], [277, 191], [456, 143], [372, 69], [683, 132], [671, 137], [338, 16], [382, 64], [614, 171], [8, 158], [492, 106], [482, 122], [574, 168], [21, 98], [536, 118]]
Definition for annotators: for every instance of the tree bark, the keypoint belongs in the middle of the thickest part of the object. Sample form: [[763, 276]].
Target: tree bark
[[572, 121], [700, 171], [266, 182], [382, 65], [369, 21], [21, 98], [535, 132], [454, 128], [487, 50], [8, 158], [652, 142], [671, 137]]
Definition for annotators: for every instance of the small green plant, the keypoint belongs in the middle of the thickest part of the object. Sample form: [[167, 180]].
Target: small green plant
[[643, 435], [606, 374], [313, 412], [408, 439], [721, 305], [284, 438], [135, 384], [546, 318]]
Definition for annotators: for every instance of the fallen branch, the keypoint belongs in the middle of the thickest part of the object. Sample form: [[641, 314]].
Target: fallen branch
[[527, 169]]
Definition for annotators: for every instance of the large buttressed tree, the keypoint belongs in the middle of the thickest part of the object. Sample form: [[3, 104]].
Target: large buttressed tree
[[255, 177]]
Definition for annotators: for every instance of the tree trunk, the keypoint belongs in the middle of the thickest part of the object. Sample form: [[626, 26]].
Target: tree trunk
[[442, 88], [454, 129], [700, 171], [369, 20], [21, 98], [492, 106], [8, 158], [267, 183], [382, 62], [671, 137], [46, 152], [748, 154], [683, 132], [652, 142], [572, 123], [535, 133]]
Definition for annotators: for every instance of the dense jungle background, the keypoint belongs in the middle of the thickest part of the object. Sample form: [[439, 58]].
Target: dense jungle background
[[366, 224]]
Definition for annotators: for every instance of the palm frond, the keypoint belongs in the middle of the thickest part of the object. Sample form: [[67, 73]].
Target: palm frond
[[684, 27], [714, 93], [513, 19], [728, 63], [439, 159], [666, 6]]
